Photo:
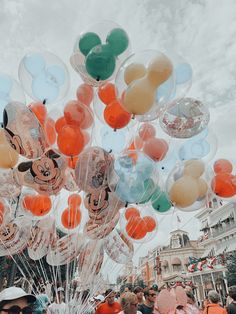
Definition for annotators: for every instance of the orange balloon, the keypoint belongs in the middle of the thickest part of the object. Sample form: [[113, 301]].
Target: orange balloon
[[222, 185], [38, 205], [150, 223], [131, 212], [1, 207], [138, 142], [84, 94], [74, 200], [131, 146], [107, 93], [136, 228], [78, 115], [146, 131], [71, 218], [71, 161], [223, 166], [70, 141], [40, 111], [49, 129], [156, 148], [60, 123], [115, 116]]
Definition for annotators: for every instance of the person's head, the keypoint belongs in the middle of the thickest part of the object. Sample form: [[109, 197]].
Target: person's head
[[17, 300], [127, 289], [150, 295], [99, 299], [110, 296], [190, 298], [232, 292], [129, 303], [139, 293], [85, 296], [213, 297]]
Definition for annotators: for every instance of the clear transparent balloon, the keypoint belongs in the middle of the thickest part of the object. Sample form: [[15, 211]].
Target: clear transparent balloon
[[44, 76]]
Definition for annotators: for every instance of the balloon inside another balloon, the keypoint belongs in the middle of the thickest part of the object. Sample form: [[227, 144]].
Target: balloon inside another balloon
[[202, 146], [41, 237], [134, 177], [46, 175], [139, 223], [70, 184], [8, 156], [166, 165], [118, 247], [176, 88], [92, 169], [138, 80], [161, 202], [186, 118], [23, 131], [223, 179], [10, 91], [5, 212], [187, 186], [44, 77], [9, 188], [99, 51], [14, 236]]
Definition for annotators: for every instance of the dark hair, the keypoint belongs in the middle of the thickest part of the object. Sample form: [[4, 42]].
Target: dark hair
[[146, 291], [108, 291], [190, 295], [3, 303], [232, 292], [85, 296], [138, 289]]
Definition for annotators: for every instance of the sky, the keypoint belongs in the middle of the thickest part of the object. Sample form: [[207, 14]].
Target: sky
[[203, 31]]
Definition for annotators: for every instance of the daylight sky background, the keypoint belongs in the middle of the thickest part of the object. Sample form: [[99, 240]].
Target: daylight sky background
[[203, 31]]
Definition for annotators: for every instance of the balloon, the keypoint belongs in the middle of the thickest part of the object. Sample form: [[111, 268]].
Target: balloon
[[23, 131], [9, 188], [112, 140], [71, 217], [10, 91], [161, 202], [37, 205], [92, 169], [136, 228], [194, 168], [131, 212], [146, 131], [44, 76], [79, 115], [70, 141], [84, 94], [115, 116], [107, 93], [70, 184], [223, 185], [118, 247], [50, 132], [133, 72], [156, 148], [8, 156], [100, 62], [74, 200], [60, 123], [186, 118], [118, 41], [202, 187], [40, 111], [150, 223], [46, 175], [88, 41], [223, 166], [184, 192]]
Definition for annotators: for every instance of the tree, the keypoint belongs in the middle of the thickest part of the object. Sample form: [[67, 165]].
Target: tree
[[231, 269]]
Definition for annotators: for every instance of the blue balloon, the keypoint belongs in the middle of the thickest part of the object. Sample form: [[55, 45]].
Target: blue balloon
[[112, 141], [130, 191], [194, 149], [166, 90], [183, 73]]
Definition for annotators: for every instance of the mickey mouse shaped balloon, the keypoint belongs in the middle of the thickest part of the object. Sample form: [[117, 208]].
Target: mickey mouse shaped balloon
[[44, 77], [46, 175], [98, 52], [23, 130]]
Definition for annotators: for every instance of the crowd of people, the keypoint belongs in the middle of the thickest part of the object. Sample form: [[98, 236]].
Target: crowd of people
[[15, 300]]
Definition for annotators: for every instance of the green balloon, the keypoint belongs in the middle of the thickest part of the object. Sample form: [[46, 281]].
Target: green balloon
[[118, 40], [160, 201], [100, 62], [88, 41], [149, 187]]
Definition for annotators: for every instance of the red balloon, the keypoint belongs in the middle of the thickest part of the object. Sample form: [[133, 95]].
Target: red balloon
[[71, 161], [131, 212], [71, 218], [74, 201], [38, 205], [146, 131], [70, 141], [84, 94], [156, 148], [115, 116], [223, 166], [60, 123], [222, 185], [78, 115], [49, 128], [150, 223], [136, 228], [107, 93], [40, 111]]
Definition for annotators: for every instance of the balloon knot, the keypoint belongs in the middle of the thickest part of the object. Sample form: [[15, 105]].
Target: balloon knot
[[98, 78], [44, 101]]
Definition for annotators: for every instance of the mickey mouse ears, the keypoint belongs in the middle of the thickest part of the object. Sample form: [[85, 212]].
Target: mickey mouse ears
[[44, 76]]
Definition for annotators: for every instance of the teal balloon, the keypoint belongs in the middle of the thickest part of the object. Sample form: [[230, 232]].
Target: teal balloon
[[88, 41], [118, 40], [160, 201], [100, 62], [149, 187]]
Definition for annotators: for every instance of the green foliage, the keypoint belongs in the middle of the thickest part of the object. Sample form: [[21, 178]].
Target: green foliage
[[231, 269]]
